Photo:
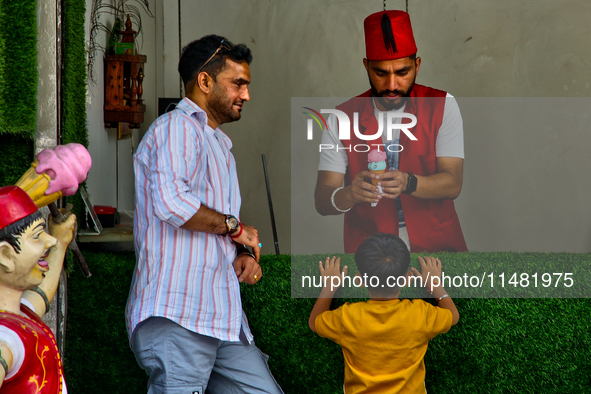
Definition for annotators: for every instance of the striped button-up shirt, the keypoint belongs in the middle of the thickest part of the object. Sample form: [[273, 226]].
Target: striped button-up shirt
[[185, 276]]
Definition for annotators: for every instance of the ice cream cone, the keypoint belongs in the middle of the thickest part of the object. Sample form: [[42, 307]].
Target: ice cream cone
[[35, 185], [56, 173], [377, 172]]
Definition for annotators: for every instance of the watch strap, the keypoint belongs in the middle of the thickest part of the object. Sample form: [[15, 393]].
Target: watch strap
[[411, 184], [235, 234]]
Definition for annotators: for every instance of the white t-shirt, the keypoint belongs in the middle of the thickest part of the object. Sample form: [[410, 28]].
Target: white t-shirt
[[449, 143]]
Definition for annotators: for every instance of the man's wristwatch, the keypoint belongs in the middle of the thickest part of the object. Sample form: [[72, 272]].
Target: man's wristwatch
[[232, 224], [411, 184]]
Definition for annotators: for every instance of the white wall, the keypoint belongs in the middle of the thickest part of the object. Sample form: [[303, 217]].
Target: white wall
[[112, 159], [525, 183], [525, 187]]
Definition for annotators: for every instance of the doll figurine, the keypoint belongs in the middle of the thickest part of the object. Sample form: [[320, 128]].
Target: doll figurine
[[30, 266]]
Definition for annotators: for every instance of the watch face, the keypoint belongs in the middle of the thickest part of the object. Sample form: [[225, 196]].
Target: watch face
[[232, 222]]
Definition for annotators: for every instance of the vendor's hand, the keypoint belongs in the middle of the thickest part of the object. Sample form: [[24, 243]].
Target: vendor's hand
[[332, 268], [430, 268], [249, 237], [393, 183], [247, 269], [364, 191], [63, 232]]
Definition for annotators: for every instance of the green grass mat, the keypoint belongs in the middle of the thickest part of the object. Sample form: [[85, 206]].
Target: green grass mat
[[499, 346], [97, 358]]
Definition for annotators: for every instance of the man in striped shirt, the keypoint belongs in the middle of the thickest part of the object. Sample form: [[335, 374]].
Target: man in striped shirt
[[184, 313]]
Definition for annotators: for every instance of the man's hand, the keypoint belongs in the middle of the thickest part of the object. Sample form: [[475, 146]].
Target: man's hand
[[332, 268], [247, 269], [393, 183], [445, 184], [363, 191], [209, 221], [249, 237]]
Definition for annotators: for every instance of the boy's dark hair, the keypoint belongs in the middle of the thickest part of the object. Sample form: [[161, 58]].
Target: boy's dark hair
[[195, 54], [383, 256], [14, 230]]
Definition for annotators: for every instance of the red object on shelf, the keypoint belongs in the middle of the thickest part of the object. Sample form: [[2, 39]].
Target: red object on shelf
[[104, 210], [106, 215]]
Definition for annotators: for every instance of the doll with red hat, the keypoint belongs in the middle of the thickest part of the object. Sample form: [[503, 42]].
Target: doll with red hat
[[30, 266], [424, 173]]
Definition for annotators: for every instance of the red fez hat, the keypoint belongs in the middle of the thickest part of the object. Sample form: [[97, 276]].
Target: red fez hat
[[388, 36], [15, 205]]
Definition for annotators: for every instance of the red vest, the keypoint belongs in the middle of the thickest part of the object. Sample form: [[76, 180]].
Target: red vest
[[41, 372], [432, 225]]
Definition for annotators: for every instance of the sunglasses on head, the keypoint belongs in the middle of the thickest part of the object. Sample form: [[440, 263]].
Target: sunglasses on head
[[224, 44]]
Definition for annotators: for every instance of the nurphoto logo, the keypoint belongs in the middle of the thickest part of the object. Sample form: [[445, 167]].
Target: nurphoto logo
[[386, 121]]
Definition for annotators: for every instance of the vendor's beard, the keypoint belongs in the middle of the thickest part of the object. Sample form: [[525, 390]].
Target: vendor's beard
[[389, 105]]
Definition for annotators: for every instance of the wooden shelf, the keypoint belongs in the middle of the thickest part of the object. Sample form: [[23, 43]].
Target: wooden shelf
[[124, 75]]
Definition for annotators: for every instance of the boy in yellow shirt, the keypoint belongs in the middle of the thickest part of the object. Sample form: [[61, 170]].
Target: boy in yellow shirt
[[385, 339]]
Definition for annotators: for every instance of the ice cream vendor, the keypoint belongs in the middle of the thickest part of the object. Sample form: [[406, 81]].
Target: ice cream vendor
[[423, 176]]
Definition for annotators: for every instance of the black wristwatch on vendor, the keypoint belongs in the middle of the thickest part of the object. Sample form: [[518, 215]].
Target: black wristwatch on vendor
[[411, 184], [233, 226]]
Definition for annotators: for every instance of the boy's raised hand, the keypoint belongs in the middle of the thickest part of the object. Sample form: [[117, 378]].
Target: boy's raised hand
[[430, 268], [332, 269], [331, 280]]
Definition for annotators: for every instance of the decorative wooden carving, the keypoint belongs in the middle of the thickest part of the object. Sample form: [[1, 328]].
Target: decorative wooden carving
[[123, 90], [129, 34]]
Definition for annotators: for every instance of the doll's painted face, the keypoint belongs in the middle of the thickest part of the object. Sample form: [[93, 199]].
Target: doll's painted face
[[30, 265]]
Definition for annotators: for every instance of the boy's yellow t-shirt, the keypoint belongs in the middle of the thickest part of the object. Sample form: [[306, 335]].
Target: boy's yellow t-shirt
[[384, 342]]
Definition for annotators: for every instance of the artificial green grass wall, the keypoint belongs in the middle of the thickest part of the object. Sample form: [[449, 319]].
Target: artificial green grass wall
[[18, 67], [16, 155], [19, 77], [499, 345], [74, 127], [18, 87]]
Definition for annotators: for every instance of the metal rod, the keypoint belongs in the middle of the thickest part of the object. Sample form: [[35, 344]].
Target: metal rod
[[270, 205]]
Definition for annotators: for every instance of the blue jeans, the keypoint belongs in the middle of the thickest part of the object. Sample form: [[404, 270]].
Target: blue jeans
[[180, 361]]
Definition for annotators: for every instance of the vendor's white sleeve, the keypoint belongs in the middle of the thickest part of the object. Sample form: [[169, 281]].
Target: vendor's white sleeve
[[450, 139], [332, 159]]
